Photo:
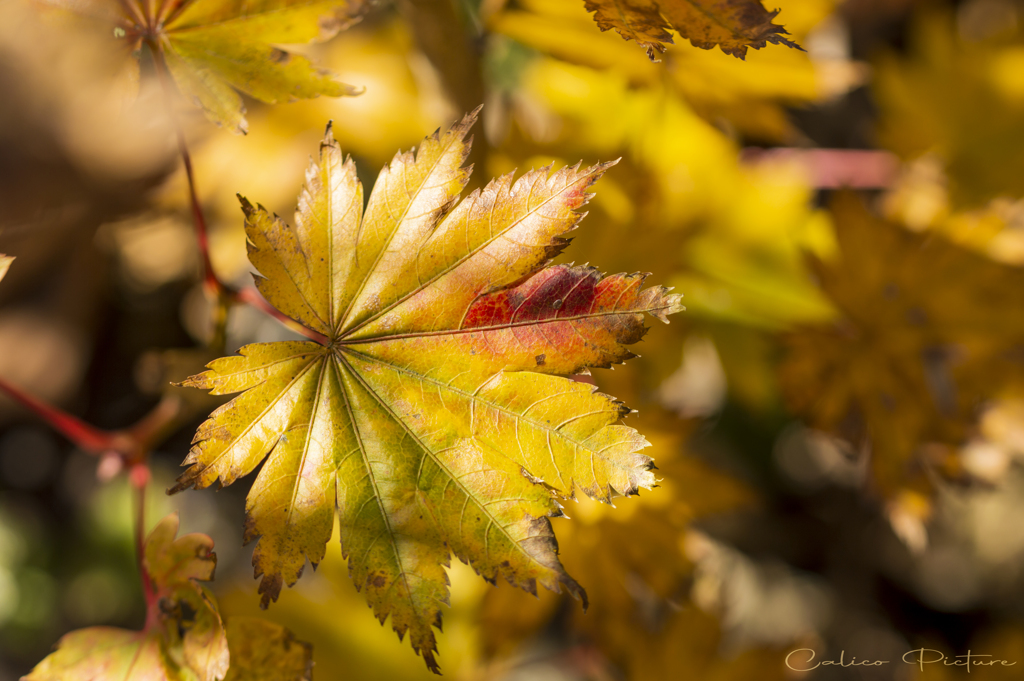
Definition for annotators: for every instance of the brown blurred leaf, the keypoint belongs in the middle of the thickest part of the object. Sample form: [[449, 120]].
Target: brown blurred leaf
[[746, 93], [264, 651], [924, 336], [442, 37], [732, 25]]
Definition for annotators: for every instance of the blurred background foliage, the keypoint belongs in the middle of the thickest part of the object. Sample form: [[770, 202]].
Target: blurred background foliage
[[837, 418]]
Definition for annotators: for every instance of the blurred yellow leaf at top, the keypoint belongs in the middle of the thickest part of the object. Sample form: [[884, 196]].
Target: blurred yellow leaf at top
[[214, 48], [715, 84], [742, 229], [960, 96]]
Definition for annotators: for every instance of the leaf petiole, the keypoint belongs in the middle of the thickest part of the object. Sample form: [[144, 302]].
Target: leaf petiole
[[225, 295]]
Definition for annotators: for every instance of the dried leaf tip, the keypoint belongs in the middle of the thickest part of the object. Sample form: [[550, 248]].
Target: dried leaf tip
[[467, 122], [247, 207]]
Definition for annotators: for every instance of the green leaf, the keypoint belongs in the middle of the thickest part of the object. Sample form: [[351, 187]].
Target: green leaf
[[185, 638], [178, 644]]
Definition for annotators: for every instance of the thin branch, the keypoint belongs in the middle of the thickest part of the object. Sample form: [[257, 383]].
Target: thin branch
[[834, 168], [92, 440], [224, 294], [130, 445], [252, 297], [139, 483], [210, 280]]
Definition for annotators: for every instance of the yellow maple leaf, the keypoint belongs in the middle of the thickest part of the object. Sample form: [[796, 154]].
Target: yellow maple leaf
[[433, 414], [214, 47]]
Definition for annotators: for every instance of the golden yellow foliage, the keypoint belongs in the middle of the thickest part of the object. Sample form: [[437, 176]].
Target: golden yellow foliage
[[634, 563], [748, 94], [960, 99], [214, 47]]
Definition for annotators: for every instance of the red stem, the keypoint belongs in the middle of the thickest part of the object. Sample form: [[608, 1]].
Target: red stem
[[92, 440], [210, 280], [252, 297], [151, 428], [139, 490], [128, 447]]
